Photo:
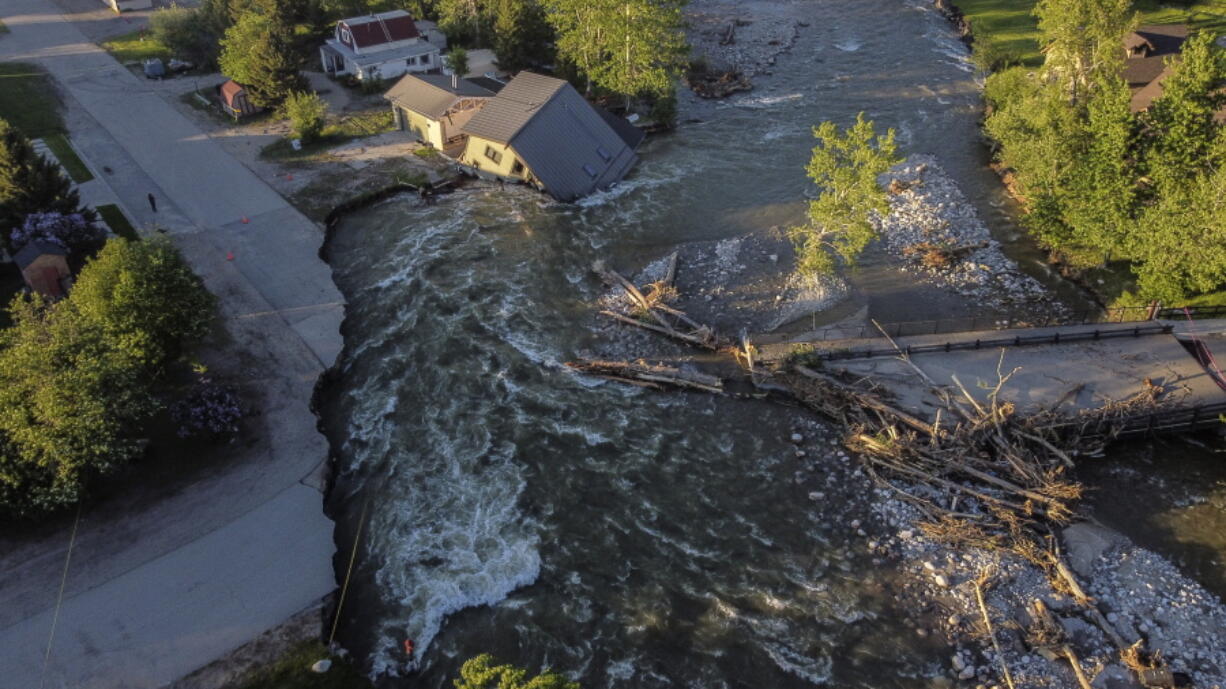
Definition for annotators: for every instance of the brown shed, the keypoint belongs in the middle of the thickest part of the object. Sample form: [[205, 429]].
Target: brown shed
[[44, 266], [233, 98]]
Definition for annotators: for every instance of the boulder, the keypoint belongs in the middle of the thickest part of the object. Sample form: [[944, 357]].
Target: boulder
[[1085, 543]]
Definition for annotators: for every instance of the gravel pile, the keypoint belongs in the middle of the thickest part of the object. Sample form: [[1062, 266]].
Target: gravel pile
[[1143, 596], [930, 210], [759, 35]]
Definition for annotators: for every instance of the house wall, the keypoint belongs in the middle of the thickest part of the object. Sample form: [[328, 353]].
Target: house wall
[[45, 274], [474, 156], [428, 130], [392, 68]]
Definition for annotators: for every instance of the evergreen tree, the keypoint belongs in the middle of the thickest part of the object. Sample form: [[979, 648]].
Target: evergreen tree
[[845, 169], [29, 183], [1081, 40], [629, 47], [257, 52], [522, 37], [462, 20], [1179, 126]]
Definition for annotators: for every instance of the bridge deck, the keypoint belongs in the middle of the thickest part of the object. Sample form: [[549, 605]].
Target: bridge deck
[[1104, 362]]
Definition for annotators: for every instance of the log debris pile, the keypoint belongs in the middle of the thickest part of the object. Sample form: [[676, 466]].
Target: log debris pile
[[982, 474]]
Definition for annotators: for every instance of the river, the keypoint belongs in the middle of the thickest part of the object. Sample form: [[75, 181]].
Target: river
[[626, 538]]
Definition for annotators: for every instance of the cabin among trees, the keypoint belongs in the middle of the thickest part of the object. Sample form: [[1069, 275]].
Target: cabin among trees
[[382, 46], [1147, 51]]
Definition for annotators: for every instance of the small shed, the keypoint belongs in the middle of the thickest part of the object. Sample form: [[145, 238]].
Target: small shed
[[44, 266], [233, 98]]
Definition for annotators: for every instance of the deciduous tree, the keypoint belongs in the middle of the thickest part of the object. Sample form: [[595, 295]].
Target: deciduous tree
[[845, 168], [481, 673], [1082, 39]]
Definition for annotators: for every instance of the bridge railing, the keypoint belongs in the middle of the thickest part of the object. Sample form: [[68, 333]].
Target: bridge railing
[[1183, 419], [1126, 314], [993, 342]]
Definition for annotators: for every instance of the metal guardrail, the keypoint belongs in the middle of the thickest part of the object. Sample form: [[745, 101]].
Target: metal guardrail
[[1015, 341], [1181, 420], [1128, 314]]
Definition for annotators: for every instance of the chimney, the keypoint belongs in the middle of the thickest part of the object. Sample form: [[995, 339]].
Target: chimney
[[455, 80]]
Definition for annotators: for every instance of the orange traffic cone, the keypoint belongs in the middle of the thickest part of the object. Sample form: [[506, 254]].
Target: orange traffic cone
[[245, 220], [229, 255]]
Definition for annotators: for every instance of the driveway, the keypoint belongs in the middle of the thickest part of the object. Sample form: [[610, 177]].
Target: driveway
[[157, 590]]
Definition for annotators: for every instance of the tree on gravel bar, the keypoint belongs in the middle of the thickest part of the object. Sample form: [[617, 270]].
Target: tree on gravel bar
[[29, 183], [845, 168], [258, 52], [481, 673]]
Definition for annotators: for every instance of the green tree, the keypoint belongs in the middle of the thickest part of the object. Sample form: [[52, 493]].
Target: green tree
[[481, 673], [29, 183], [629, 47], [1081, 40], [1179, 246], [145, 299], [522, 37], [1179, 127], [845, 168], [462, 20], [457, 60], [257, 52], [70, 406], [307, 113], [188, 32]]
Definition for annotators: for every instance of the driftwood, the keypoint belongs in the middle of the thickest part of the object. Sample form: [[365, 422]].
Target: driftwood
[[649, 375], [651, 312], [987, 623]]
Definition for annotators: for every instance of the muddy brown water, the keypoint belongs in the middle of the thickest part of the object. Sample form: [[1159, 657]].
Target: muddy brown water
[[626, 538]]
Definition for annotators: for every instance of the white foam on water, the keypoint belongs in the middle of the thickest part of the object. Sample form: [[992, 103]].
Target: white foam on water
[[815, 670], [766, 101], [850, 44]]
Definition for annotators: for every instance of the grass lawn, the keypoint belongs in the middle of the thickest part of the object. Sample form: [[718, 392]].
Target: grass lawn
[[58, 143], [1011, 26], [346, 129], [117, 221], [137, 47], [292, 671], [28, 100]]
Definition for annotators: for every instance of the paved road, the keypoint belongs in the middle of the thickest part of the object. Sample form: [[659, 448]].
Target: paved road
[[158, 592]]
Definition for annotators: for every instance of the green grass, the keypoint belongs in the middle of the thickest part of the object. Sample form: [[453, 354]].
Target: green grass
[[136, 46], [356, 126], [28, 101], [292, 671], [1010, 25], [117, 221], [58, 143]]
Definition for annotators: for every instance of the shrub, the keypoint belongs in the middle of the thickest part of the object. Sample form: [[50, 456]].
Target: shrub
[[72, 231], [664, 110], [186, 32], [457, 60], [307, 113], [210, 410]]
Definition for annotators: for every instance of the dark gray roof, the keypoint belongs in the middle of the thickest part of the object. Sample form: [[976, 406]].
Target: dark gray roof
[[488, 83], [632, 135], [31, 251], [432, 94], [502, 118]]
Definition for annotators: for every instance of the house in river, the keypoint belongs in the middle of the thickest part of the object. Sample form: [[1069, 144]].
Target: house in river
[[435, 106], [382, 46], [539, 130]]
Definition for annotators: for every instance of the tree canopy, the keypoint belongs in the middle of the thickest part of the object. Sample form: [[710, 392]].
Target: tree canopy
[[257, 52], [29, 183], [481, 673], [845, 168]]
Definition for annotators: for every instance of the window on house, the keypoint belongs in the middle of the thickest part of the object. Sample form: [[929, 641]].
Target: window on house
[[346, 37], [425, 59], [410, 61], [604, 154], [591, 171], [493, 155], [517, 168]]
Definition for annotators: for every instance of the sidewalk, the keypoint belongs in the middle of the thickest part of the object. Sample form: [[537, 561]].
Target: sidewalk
[[157, 591]]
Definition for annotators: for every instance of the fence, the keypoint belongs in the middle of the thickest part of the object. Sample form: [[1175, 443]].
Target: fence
[[1184, 419], [1127, 314], [991, 343]]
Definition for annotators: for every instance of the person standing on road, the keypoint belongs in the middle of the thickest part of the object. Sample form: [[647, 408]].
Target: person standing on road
[[153, 202]]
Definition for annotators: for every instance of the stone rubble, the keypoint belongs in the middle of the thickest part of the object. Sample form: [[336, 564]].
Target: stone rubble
[[929, 208]]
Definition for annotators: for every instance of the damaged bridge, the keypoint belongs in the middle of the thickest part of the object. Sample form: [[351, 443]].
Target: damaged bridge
[[1071, 368]]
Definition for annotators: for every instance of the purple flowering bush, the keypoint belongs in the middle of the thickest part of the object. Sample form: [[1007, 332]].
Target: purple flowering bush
[[210, 409], [69, 230]]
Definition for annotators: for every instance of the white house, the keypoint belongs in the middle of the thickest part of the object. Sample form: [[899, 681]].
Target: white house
[[382, 46]]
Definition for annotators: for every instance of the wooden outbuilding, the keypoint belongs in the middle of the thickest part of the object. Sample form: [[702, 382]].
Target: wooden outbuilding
[[44, 267], [233, 98]]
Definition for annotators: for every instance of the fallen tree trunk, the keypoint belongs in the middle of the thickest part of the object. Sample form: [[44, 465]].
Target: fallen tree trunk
[[654, 375]]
